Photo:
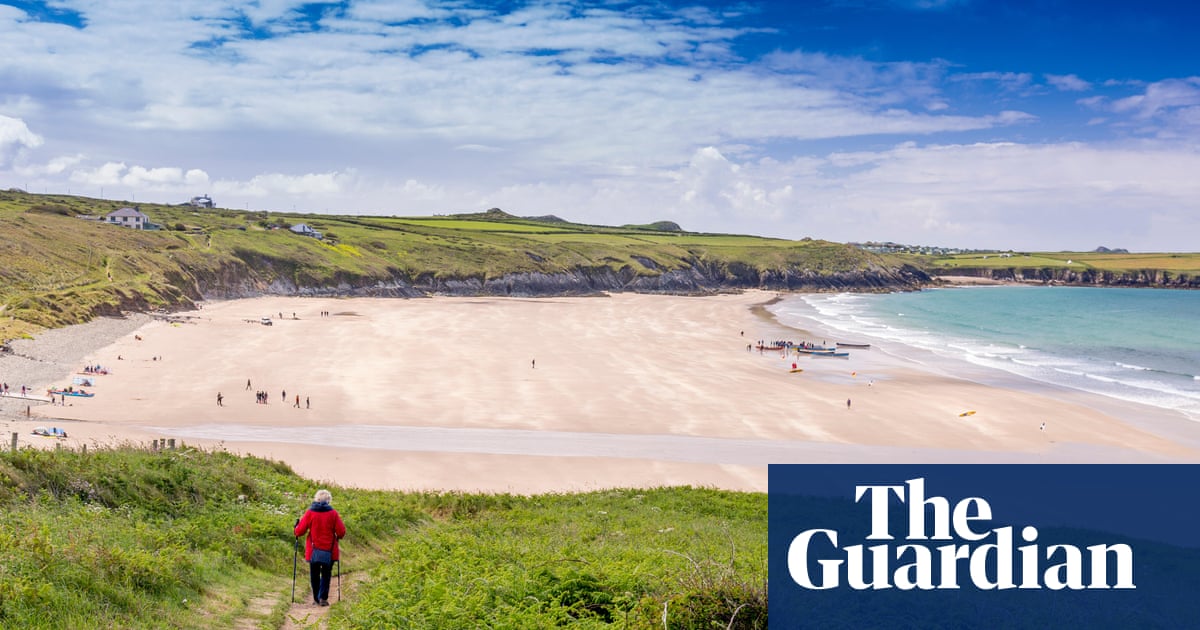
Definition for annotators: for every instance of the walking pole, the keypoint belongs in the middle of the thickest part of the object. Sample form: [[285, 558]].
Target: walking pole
[[295, 553], [339, 562]]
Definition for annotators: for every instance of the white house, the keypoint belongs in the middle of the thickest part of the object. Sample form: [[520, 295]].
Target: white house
[[306, 230], [203, 201], [128, 217]]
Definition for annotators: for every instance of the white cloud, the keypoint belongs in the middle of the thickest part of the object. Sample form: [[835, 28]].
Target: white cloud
[[15, 137], [1161, 97], [1166, 109], [984, 195], [163, 178], [392, 11], [1007, 81], [1068, 82], [591, 113], [292, 186], [361, 77], [55, 166], [713, 187], [478, 148]]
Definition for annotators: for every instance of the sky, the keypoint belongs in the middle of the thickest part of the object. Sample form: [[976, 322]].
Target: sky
[[1024, 125]]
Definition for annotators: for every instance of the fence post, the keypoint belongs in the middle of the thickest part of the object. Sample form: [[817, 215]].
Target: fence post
[[171, 444], [154, 446], [14, 442], [85, 449]]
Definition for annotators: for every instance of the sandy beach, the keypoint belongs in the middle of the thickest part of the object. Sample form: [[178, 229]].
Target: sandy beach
[[553, 394]]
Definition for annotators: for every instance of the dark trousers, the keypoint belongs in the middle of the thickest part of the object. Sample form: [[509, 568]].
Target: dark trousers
[[319, 574]]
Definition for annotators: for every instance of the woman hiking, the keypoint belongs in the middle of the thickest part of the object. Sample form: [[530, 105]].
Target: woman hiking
[[324, 527]]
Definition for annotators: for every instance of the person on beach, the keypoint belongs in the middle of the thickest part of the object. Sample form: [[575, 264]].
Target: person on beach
[[247, 384], [847, 403], [297, 405], [306, 403], [220, 398], [325, 528]]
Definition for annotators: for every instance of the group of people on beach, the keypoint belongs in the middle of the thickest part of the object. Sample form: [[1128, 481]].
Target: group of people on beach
[[5, 391], [262, 397]]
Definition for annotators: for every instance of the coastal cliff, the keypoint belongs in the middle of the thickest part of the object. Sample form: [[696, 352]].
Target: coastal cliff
[[1148, 278], [241, 278]]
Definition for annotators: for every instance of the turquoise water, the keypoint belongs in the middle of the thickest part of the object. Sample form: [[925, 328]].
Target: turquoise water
[[1140, 345]]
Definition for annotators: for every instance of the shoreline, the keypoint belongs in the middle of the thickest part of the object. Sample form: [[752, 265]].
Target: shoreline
[[616, 384], [1174, 424]]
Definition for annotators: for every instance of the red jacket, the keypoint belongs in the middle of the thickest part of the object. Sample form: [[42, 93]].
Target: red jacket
[[324, 527]]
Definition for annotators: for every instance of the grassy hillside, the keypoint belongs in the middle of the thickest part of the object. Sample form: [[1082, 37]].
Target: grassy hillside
[[61, 269], [1105, 261], [128, 538]]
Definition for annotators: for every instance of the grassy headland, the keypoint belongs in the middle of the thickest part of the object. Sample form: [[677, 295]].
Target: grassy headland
[[60, 269], [131, 538], [1108, 268]]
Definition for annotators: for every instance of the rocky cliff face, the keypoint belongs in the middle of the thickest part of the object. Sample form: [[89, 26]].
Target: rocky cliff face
[[1088, 277], [233, 280]]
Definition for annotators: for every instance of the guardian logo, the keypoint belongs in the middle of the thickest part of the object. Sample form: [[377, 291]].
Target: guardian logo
[[971, 551], [984, 546]]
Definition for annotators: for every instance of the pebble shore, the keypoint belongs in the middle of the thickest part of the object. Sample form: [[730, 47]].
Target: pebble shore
[[55, 354]]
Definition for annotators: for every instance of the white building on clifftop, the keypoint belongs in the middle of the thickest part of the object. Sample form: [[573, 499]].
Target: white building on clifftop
[[128, 217]]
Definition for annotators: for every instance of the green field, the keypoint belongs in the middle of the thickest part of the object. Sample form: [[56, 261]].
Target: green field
[[1180, 263], [474, 225]]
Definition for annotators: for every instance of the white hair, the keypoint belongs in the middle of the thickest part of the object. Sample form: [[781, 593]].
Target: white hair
[[322, 496]]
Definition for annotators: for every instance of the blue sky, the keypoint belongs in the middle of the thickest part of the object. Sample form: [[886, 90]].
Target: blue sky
[[1023, 125]]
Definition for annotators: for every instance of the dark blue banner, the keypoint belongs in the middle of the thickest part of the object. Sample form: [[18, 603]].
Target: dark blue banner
[[984, 546]]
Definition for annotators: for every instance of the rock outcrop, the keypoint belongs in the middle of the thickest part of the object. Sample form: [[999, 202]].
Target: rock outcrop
[[1087, 277]]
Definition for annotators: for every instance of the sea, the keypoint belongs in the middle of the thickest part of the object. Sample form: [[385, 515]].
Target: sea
[[1136, 345]]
